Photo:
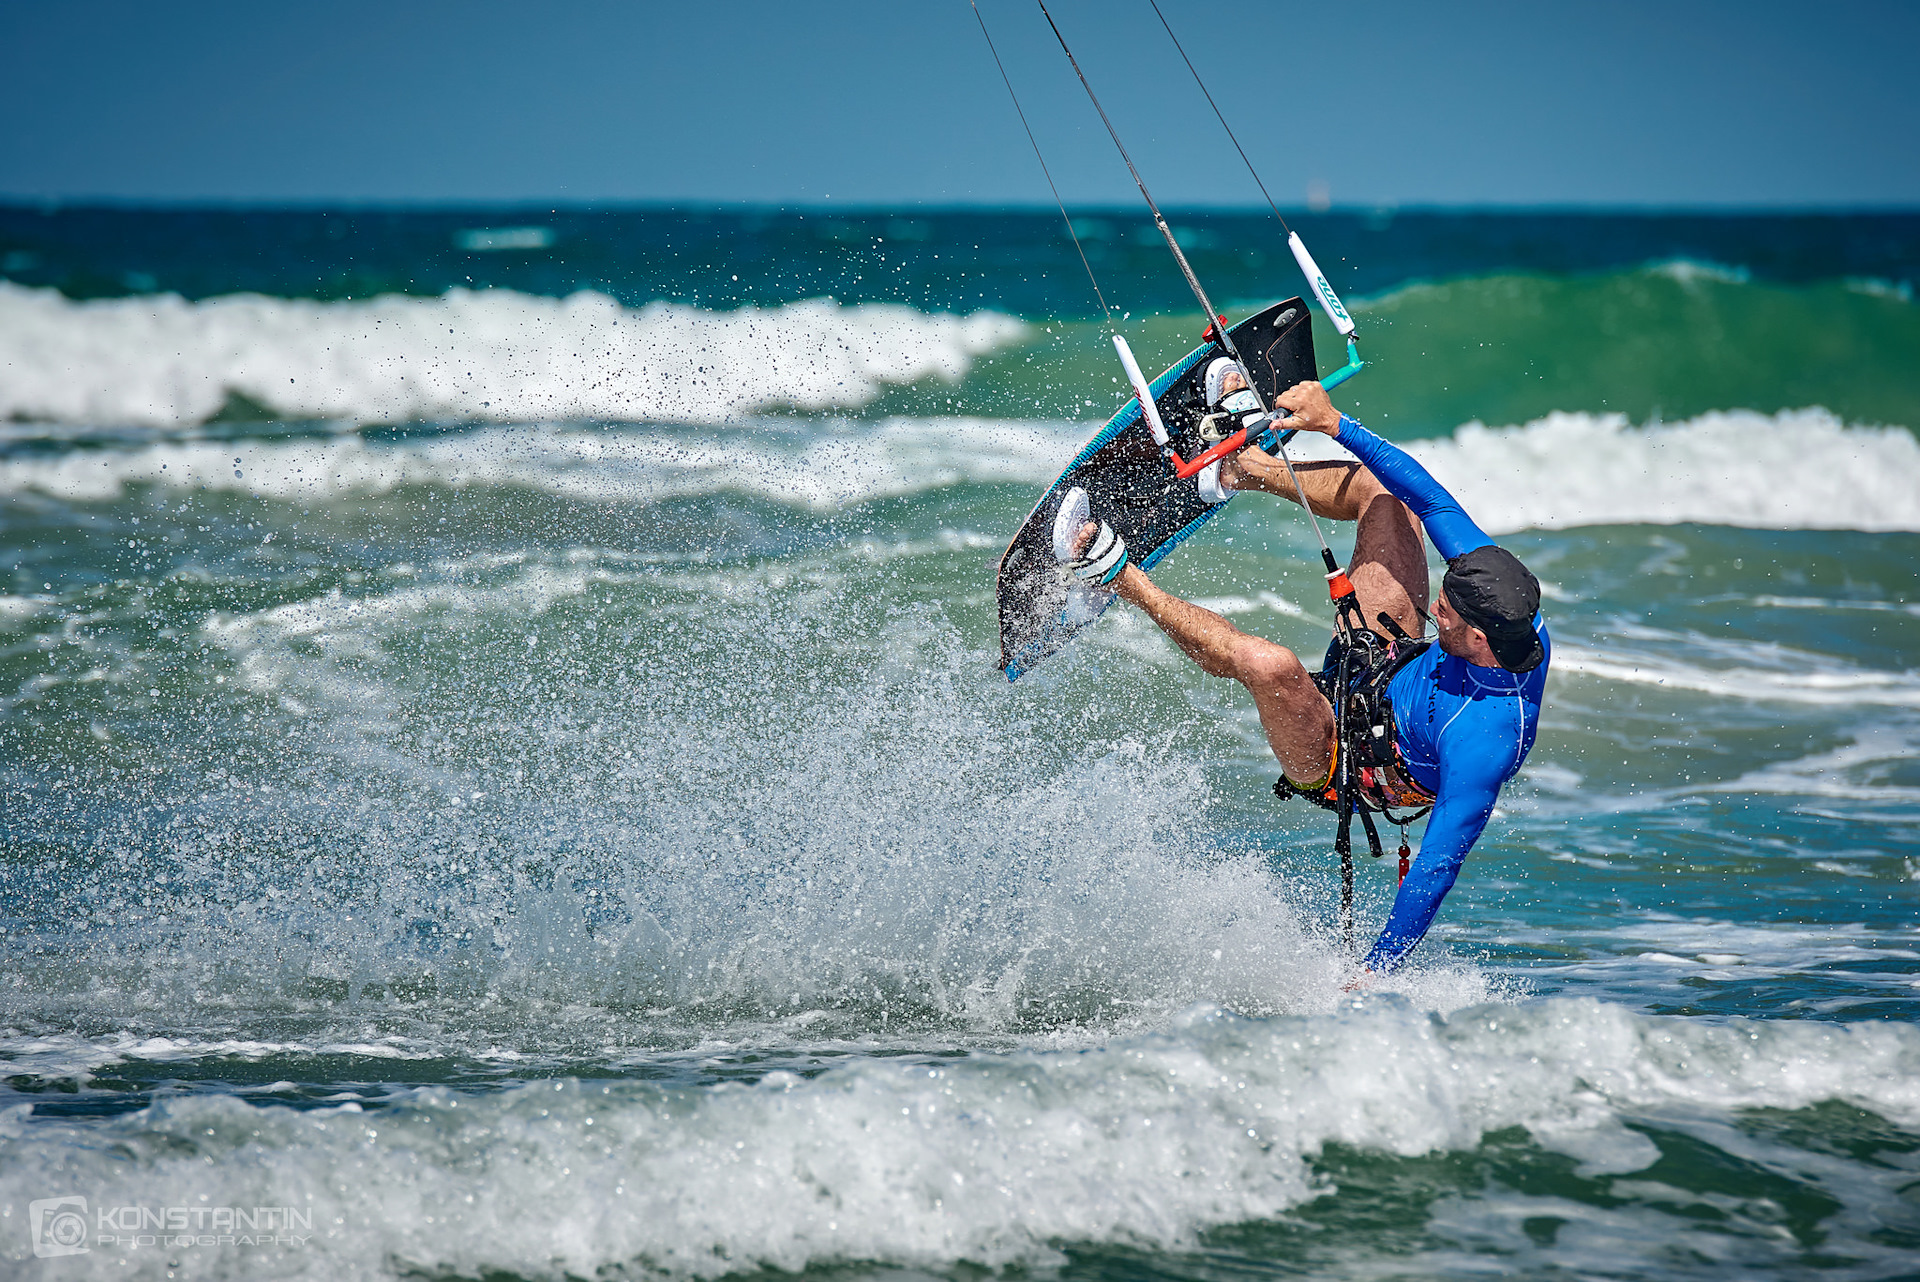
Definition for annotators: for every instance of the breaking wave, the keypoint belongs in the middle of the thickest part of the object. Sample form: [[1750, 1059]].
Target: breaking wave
[[1795, 470], [1002, 1160], [1799, 469], [492, 355], [825, 467]]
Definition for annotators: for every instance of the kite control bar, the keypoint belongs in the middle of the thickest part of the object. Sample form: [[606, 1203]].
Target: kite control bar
[[1263, 433], [1217, 333]]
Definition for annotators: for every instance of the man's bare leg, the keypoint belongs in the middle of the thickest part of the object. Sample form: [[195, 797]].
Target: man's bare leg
[[1389, 573], [1293, 713], [1389, 565]]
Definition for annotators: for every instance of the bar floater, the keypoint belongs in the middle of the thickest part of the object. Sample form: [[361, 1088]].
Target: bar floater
[[1329, 303], [1142, 391], [1329, 300]]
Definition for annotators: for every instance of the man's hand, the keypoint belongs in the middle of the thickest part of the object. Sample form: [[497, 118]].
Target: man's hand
[[1255, 469], [1309, 409]]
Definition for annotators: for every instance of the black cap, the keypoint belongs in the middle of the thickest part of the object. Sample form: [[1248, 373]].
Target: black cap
[[1489, 588]]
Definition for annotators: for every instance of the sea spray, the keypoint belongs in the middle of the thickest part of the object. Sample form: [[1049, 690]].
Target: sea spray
[[650, 824]]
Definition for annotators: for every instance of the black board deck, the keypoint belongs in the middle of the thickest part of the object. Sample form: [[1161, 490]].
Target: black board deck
[[1134, 488]]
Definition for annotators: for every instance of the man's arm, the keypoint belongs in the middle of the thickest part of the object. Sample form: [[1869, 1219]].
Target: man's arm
[[1466, 802], [1446, 522]]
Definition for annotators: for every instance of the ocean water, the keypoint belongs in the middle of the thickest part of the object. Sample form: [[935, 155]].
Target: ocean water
[[502, 773]]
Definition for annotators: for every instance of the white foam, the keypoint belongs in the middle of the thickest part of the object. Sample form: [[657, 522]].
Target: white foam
[[73, 1057], [993, 1159], [1727, 468], [1819, 680], [1798, 469], [15, 610], [469, 355], [838, 464], [1690, 272], [1238, 604], [1855, 771], [1874, 287], [1829, 603], [1651, 958]]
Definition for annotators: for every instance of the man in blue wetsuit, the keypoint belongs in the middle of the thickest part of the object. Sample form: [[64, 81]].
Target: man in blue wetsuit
[[1464, 710]]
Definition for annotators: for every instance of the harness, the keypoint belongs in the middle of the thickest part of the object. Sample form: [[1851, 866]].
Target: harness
[[1355, 678], [1367, 776]]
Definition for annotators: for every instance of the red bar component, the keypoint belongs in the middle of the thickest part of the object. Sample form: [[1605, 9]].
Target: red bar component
[[1339, 585], [1184, 468]]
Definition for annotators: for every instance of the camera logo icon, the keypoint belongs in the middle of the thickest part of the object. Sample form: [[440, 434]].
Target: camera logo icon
[[59, 1226]]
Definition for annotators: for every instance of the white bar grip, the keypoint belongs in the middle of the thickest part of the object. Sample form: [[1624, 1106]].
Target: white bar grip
[[1140, 389], [1315, 277]]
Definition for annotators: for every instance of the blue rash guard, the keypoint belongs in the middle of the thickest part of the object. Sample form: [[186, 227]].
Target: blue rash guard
[[1462, 730]]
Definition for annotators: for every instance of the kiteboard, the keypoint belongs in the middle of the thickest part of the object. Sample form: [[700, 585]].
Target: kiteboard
[[1134, 487]]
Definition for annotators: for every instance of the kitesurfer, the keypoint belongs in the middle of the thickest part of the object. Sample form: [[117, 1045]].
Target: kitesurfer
[[1463, 711]]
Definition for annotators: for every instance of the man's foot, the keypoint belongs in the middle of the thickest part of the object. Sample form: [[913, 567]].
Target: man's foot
[[1222, 380], [1232, 405], [1090, 549]]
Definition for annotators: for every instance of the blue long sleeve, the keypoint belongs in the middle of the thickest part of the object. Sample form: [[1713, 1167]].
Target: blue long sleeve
[[1456, 823], [1446, 522]]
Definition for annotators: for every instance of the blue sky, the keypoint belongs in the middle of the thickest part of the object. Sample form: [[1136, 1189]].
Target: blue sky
[[855, 102]]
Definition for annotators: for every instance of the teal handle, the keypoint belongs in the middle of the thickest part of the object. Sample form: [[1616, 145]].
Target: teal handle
[[1269, 440], [1353, 366]]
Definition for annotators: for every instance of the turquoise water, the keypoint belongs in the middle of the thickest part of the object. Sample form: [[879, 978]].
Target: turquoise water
[[518, 778]]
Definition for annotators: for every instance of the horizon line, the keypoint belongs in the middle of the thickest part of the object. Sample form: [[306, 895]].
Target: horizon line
[[50, 205]]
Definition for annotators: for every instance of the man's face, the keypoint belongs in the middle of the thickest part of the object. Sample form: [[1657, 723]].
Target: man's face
[[1457, 636], [1231, 383]]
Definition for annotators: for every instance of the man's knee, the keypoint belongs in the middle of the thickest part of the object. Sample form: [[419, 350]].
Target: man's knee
[[1363, 488], [1267, 665]]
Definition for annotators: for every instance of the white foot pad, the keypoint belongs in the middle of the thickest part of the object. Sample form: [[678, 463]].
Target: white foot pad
[[1212, 492]]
